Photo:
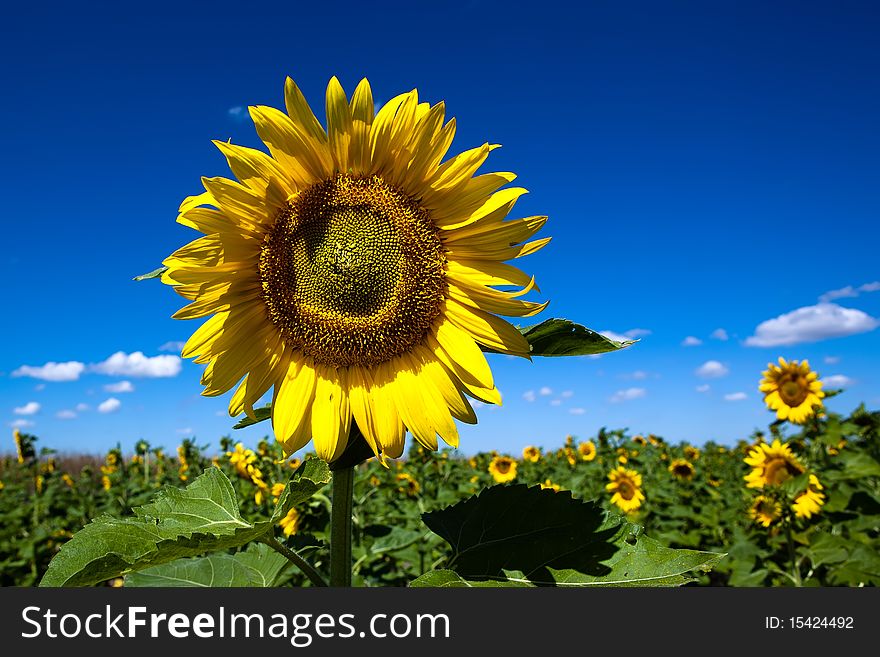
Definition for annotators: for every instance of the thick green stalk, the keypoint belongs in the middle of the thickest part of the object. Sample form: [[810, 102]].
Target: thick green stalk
[[307, 568], [340, 527]]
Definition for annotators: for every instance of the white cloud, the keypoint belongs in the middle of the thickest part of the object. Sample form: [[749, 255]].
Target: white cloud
[[138, 365], [837, 381], [870, 287], [637, 333], [617, 337], [31, 408], [703, 388], [628, 394], [122, 386], [187, 431], [811, 324], [719, 334], [577, 411], [21, 423], [735, 396], [66, 414], [109, 405], [176, 347], [711, 369], [556, 402], [638, 375], [831, 360], [40, 387], [565, 394], [53, 371], [691, 341], [529, 395], [847, 292], [82, 407], [237, 113], [545, 391]]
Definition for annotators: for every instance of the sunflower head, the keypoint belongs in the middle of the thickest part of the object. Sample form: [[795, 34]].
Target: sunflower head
[[639, 440], [691, 453], [792, 389], [771, 465], [810, 501], [407, 484], [531, 454], [765, 510], [682, 469], [502, 469], [587, 450], [626, 489], [355, 272]]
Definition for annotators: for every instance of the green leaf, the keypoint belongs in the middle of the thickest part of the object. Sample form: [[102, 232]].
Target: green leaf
[[310, 477], [397, 539], [203, 517], [532, 536], [562, 337], [858, 465], [156, 273], [260, 414], [450, 579], [258, 566]]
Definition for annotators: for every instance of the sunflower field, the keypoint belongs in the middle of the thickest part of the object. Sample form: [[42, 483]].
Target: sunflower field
[[784, 507]]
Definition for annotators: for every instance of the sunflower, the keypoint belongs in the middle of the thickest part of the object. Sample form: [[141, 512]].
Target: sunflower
[[354, 274], [570, 456], [771, 465], [408, 484], [531, 454], [765, 511], [587, 450], [626, 486], [502, 469], [290, 522], [682, 469], [809, 502], [792, 389], [639, 440], [549, 484], [691, 453]]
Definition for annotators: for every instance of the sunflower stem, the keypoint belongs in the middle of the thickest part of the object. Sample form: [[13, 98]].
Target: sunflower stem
[[340, 526], [795, 567], [307, 568]]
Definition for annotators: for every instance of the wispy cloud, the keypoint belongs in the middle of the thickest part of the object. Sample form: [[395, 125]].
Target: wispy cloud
[[691, 341], [21, 423], [837, 381], [82, 407], [31, 408], [712, 369], [831, 360], [577, 411], [556, 402], [52, 371], [719, 334], [185, 431], [237, 113], [849, 292], [628, 394], [735, 396], [545, 391], [138, 365], [109, 405], [566, 394], [703, 388], [626, 336], [175, 347], [66, 414], [122, 386], [811, 324], [529, 395]]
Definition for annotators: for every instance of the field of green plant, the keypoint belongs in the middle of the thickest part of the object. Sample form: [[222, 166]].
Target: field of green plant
[[801, 511]]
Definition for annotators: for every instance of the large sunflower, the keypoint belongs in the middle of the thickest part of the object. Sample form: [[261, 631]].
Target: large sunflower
[[792, 389], [626, 486], [355, 273], [771, 465]]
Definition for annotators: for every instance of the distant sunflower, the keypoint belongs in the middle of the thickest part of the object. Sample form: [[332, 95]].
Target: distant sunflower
[[587, 450], [639, 440], [407, 484], [502, 469], [765, 511], [682, 469], [290, 522], [809, 502], [626, 486], [692, 453], [531, 454], [792, 389], [771, 465], [549, 484], [355, 272]]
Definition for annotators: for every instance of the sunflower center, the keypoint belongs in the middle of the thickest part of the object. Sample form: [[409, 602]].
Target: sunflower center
[[778, 470], [682, 470], [793, 391], [353, 271], [503, 467], [626, 490]]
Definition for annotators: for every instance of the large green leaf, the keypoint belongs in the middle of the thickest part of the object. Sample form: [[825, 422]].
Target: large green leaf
[[203, 517], [532, 536], [562, 337], [258, 566]]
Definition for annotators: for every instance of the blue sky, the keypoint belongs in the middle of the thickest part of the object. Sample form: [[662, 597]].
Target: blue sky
[[706, 167]]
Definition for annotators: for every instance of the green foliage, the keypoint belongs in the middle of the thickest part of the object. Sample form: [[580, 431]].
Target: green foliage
[[561, 337], [156, 273]]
